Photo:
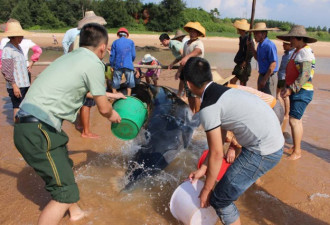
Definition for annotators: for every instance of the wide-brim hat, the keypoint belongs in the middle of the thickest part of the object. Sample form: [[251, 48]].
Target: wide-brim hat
[[90, 17], [196, 26], [147, 58], [262, 27], [14, 29], [297, 31], [178, 34], [242, 24], [217, 78]]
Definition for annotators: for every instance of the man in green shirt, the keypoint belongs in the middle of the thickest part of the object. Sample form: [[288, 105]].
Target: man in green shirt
[[175, 46], [56, 95]]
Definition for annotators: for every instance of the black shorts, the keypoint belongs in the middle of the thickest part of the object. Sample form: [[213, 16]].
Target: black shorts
[[89, 102], [281, 84], [17, 101]]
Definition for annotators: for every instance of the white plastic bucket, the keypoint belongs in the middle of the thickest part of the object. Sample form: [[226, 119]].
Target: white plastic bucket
[[185, 205]]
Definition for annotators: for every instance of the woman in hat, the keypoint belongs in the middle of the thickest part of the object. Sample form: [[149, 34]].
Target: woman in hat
[[149, 73], [192, 48], [242, 70], [180, 36], [299, 74], [14, 65]]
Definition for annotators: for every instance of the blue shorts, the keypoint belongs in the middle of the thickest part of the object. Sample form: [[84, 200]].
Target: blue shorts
[[129, 75], [299, 102], [245, 170]]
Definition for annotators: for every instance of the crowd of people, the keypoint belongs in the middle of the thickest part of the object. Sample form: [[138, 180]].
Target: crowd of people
[[76, 82]]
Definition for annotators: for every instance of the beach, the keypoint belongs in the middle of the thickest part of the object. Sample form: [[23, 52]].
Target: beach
[[294, 192]]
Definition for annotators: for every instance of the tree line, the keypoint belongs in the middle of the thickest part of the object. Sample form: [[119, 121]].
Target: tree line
[[168, 15]]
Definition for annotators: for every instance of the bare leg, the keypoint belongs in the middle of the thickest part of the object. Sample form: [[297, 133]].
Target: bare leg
[[53, 213], [75, 212], [84, 118], [15, 110], [148, 80], [129, 91], [286, 113], [297, 132], [181, 87], [114, 90]]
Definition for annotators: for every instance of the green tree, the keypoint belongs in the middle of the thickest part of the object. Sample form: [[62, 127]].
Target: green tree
[[134, 8], [114, 12], [6, 9], [21, 12], [167, 16], [41, 15]]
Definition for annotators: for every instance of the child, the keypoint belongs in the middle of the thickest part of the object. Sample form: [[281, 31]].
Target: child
[[150, 73]]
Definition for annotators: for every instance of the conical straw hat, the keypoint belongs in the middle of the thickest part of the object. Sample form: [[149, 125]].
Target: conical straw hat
[[90, 17], [14, 29], [217, 78], [196, 26], [242, 24]]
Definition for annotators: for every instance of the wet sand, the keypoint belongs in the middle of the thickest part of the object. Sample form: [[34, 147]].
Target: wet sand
[[294, 192]]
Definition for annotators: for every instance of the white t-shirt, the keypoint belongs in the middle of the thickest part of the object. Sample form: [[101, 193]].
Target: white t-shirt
[[187, 49]]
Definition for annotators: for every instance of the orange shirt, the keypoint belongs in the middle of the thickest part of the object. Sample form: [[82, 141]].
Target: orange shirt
[[269, 99]]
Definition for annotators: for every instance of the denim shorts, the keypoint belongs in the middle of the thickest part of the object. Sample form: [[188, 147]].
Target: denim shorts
[[299, 102], [245, 170], [129, 75]]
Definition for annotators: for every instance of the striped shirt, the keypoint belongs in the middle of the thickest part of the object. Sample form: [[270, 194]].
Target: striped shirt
[[14, 66]]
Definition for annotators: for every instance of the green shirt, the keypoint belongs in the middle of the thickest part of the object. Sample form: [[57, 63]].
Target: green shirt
[[60, 90], [175, 47]]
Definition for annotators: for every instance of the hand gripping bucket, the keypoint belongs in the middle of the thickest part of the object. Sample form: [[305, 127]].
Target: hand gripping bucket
[[133, 113], [185, 205]]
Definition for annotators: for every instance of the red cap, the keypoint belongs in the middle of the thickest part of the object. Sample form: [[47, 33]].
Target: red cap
[[123, 29]]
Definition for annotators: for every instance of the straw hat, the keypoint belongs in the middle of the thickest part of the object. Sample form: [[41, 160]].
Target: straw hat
[[297, 31], [90, 17], [196, 26], [14, 29], [147, 58], [242, 24], [123, 29], [217, 78], [178, 34], [261, 27]]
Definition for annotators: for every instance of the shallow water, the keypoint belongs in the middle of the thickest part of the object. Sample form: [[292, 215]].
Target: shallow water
[[292, 193]]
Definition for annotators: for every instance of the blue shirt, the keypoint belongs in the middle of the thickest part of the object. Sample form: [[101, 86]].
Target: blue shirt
[[266, 54], [122, 54], [285, 59], [69, 38]]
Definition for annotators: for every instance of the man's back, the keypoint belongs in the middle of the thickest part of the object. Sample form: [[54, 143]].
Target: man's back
[[122, 54], [253, 122]]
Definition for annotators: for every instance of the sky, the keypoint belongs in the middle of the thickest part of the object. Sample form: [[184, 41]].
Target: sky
[[303, 12]]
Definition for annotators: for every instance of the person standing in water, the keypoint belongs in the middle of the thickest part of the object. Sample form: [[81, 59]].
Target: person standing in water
[[242, 70], [299, 75], [55, 96]]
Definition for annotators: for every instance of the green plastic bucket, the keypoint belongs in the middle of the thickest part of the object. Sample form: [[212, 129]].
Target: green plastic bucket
[[133, 113]]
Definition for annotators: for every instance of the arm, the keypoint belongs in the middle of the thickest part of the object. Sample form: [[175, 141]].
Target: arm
[[37, 51], [112, 56], [214, 140], [270, 70], [133, 52], [304, 75], [7, 70], [196, 52], [105, 109]]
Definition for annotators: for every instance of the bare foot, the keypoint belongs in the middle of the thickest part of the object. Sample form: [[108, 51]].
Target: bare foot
[[77, 216], [288, 150], [89, 135], [76, 213], [294, 156]]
